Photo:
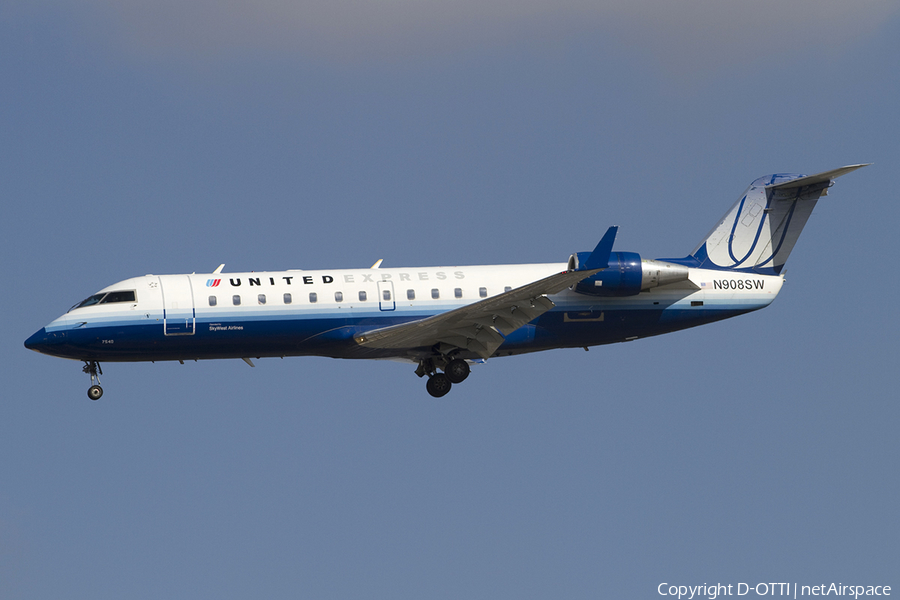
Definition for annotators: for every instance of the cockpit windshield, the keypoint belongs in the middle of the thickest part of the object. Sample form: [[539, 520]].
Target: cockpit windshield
[[119, 297], [106, 298], [88, 301]]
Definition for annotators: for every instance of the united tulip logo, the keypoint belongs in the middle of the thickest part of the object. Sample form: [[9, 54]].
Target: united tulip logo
[[213, 282]]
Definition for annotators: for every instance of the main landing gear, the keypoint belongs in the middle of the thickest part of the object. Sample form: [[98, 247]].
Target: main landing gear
[[455, 371], [93, 369]]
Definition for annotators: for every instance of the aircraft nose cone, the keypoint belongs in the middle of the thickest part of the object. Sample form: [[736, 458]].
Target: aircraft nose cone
[[37, 342]]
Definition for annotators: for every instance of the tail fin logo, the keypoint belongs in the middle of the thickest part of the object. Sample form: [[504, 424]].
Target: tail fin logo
[[760, 230]]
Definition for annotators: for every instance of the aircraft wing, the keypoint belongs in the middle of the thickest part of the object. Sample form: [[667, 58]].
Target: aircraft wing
[[479, 327]]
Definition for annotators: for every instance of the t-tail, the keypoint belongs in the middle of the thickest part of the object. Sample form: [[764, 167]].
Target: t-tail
[[758, 233]]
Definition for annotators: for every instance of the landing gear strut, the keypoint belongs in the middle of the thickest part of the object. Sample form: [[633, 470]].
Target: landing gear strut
[[93, 369], [455, 371]]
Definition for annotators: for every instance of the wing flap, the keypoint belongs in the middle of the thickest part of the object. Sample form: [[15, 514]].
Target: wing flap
[[482, 341]]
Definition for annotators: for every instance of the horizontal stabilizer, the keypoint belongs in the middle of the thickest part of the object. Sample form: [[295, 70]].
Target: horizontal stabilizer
[[814, 179]]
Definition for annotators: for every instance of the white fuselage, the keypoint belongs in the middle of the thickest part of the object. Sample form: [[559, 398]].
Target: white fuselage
[[178, 317]]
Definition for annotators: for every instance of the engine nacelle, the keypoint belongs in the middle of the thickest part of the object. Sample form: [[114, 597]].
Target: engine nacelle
[[627, 275]]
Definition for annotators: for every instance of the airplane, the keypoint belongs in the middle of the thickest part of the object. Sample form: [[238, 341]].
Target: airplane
[[445, 318]]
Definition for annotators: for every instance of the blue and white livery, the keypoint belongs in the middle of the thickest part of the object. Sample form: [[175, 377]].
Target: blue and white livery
[[444, 318]]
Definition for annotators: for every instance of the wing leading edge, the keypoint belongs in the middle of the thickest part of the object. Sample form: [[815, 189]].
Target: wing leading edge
[[480, 327]]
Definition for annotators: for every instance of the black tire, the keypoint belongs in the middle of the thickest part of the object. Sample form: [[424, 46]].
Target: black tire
[[438, 385], [457, 370], [94, 392]]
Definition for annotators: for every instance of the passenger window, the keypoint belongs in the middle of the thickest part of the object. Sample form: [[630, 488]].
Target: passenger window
[[212, 300], [410, 294], [362, 296], [435, 294], [482, 291], [386, 294], [457, 292], [287, 298], [261, 298], [236, 300], [339, 296], [313, 298]]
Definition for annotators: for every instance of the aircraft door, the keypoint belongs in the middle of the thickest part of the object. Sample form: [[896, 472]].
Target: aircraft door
[[178, 305], [386, 295]]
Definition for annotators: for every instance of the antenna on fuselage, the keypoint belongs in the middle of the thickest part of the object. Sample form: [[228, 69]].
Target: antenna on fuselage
[[377, 264], [219, 268]]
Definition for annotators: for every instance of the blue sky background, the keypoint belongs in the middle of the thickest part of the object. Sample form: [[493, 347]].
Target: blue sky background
[[172, 137]]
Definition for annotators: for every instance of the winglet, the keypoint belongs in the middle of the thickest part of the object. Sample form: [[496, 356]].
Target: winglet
[[599, 258]]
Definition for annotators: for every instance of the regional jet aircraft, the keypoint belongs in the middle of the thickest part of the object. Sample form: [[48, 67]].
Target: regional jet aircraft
[[444, 318]]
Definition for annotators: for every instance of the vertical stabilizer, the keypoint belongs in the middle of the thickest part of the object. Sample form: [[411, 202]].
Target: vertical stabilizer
[[760, 230]]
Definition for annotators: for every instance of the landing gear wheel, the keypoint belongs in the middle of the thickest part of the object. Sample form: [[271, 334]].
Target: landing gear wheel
[[457, 370], [438, 385], [92, 368]]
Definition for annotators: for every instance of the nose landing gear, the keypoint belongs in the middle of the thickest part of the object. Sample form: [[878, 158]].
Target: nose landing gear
[[93, 369]]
